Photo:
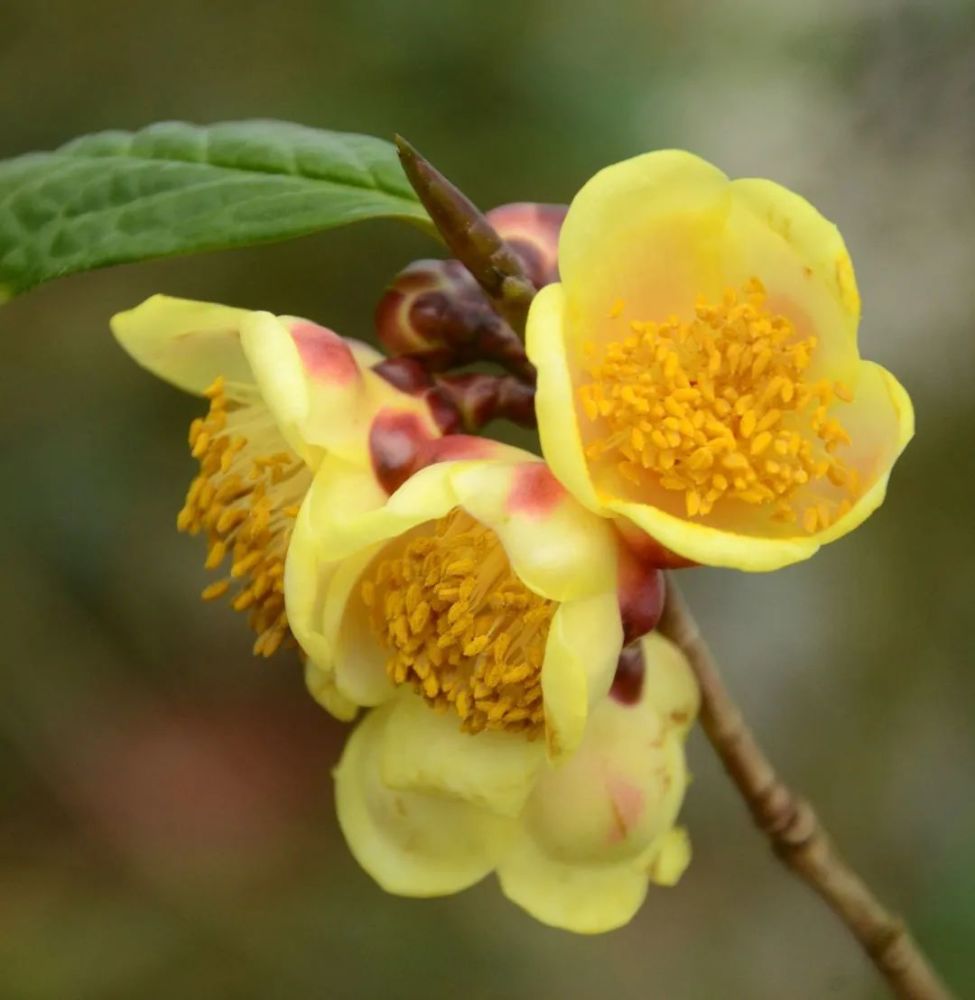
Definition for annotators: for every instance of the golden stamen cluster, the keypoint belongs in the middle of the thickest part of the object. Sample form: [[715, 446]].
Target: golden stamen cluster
[[720, 409], [245, 498], [461, 628]]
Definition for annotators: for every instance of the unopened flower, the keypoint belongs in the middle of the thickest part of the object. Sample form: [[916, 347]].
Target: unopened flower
[[283, 393], [434, 310], [480, 588], [698, 371], [574, 844]]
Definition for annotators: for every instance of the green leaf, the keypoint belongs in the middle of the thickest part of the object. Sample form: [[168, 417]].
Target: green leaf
[[174, 188]]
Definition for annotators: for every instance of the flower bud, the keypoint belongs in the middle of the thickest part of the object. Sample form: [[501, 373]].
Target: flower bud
[[532, 230], [436, 312]]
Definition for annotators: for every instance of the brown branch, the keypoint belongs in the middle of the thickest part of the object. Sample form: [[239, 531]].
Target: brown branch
[[791, 825]]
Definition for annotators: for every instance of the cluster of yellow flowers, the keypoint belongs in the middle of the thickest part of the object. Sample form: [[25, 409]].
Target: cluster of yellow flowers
[[700, 400]]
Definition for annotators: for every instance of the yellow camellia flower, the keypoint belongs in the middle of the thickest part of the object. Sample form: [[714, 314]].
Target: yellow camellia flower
[[698, 372], [578, 843], [480, 587], [283, 393]]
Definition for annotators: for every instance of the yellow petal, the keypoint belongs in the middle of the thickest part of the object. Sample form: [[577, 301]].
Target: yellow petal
[[186, 343], [583, 899], [668, 856], [311, 594], [425, 751], [581, 653], [412, 844], [360, 660], [642, 232], [881, 423], [555, 396], [338, 636], [669, 685], [306, 580], [816, 253], [715, 546], [321, 686]]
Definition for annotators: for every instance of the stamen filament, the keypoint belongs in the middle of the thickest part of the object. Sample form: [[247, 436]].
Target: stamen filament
[[245, 499]]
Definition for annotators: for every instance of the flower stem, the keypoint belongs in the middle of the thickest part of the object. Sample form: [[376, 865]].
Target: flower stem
[[794, 831]]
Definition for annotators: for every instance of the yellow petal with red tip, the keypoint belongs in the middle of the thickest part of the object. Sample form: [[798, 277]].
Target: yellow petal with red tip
[[616, 794], [427, 809], [555, 546], [184, 342], [600, 825], [411, 843], [322, 397], [556, 549]]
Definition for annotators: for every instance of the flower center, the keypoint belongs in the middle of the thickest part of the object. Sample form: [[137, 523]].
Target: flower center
[[245, 498], [719, 409], [460, 627]]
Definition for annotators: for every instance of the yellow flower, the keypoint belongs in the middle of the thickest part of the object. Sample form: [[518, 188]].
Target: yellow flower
[[283, 392], [578, 843], [698, 372], [480, 587]]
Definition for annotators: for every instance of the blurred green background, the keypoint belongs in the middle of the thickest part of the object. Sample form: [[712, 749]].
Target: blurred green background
[[166, 824]]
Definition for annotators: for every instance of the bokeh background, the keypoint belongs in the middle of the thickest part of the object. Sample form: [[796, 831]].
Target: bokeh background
[[166, 823]]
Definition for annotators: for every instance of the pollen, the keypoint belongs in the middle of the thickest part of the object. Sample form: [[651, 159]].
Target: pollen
[[460, 627], [721, 409], [245, 499]]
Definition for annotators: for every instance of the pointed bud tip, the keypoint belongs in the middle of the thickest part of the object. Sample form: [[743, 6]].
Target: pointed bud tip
[[403, 145]]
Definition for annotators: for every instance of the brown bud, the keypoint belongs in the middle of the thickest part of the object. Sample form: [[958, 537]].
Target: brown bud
[[531, 231], [470, 237], [628, 681], [436, 312], [411, 376], [480, 398]]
